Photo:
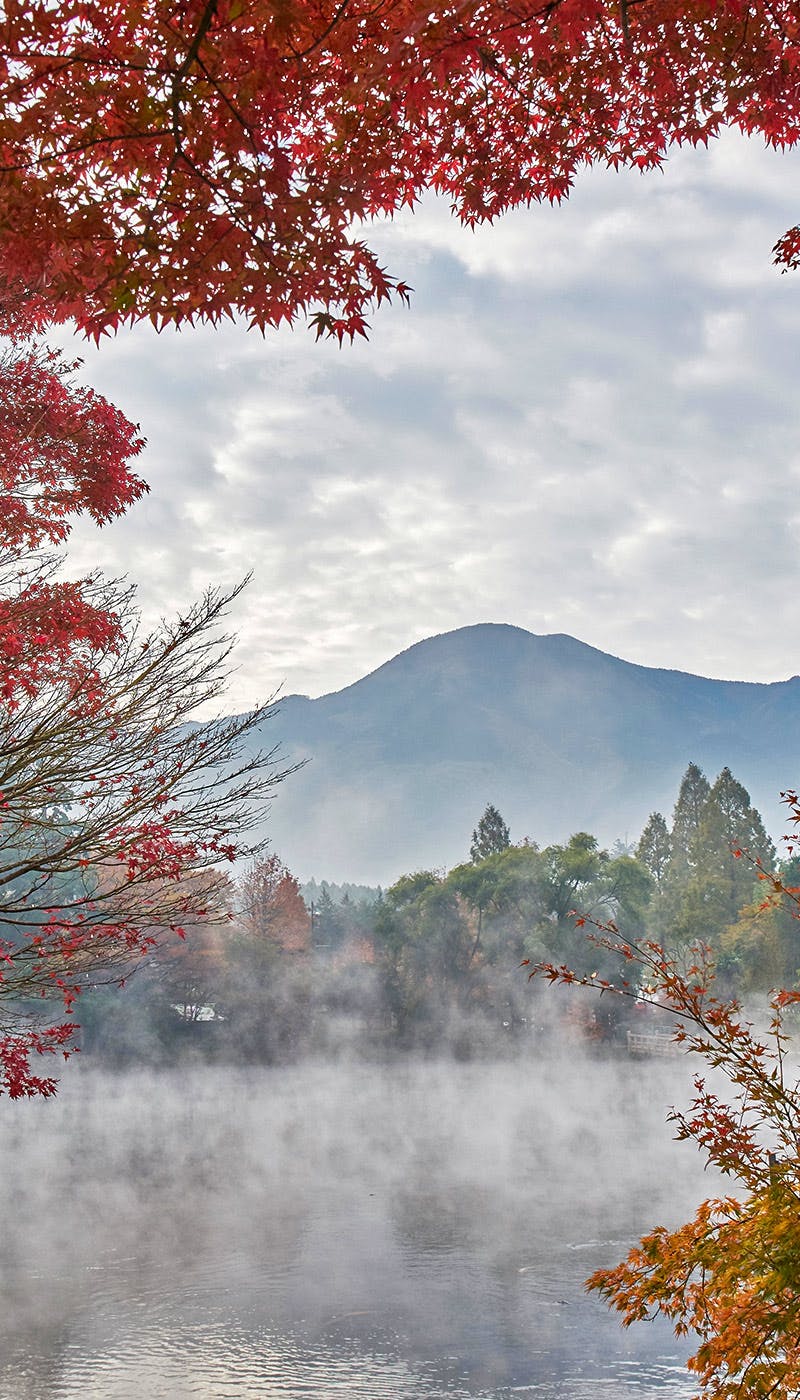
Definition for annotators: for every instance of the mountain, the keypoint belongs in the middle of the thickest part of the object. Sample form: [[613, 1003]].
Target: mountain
[[557, 735]]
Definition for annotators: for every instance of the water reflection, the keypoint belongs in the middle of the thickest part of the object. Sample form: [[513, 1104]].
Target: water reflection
[[415, 1232]]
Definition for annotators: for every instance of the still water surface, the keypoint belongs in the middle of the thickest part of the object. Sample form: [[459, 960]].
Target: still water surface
[[404, 1232]]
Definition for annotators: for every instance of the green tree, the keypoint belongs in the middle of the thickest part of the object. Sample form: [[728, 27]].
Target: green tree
[[707, 883], [480, 883], [655, 847], [729, 826], [765, 940], [581, 877], [426, 948], [681, 913], [490, 835], [327, 923], [686, 818], [394, 933], [504, 897], [570, 873]]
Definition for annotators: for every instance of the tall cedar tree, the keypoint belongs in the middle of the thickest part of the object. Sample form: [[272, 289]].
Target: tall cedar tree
[[490, 836], [687, 817], [174, 161], [728, 1277], [704, 885], [730, 825], [655, 848]]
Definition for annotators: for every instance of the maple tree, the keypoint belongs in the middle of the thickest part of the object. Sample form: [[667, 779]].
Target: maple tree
[[730, 1274], [209, 157], [109, 798], [273, 910], [63, 450], [265, 992]]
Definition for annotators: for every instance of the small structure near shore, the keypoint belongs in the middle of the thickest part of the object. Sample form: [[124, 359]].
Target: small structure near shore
[[652, 1043]]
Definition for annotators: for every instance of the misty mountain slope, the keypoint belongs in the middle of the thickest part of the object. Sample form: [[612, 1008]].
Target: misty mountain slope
[[558, 735]]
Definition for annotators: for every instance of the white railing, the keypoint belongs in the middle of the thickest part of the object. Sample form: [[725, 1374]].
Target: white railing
[[651, 1043]]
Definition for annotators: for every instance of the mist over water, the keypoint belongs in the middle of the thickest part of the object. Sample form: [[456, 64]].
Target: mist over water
[[412, 1230]]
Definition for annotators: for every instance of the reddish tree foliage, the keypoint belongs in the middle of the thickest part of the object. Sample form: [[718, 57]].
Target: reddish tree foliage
[[172, 161], [64, 451], [273, 909], [109, 803]]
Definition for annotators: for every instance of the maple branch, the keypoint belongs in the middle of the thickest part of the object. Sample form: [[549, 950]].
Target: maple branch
[[203, 27], [87, 143], [177, 92], [623, 8], [337, 15], [229, 103]]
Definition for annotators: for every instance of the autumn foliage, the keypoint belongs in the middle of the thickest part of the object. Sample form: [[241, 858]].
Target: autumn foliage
[[63, 451], [273, 911], [728, 1277], [209, 157], [206, 158], [111, 806]]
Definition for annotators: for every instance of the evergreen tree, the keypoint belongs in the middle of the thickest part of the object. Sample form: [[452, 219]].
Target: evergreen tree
[[730, 824], [706, 883], [686, 818], [490, 836], [655, 847], [327, 922]]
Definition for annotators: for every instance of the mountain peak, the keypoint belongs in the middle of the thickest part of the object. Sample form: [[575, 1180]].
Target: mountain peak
[[558, 735]]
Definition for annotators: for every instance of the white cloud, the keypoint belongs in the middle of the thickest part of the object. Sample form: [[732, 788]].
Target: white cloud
[[587, 422]]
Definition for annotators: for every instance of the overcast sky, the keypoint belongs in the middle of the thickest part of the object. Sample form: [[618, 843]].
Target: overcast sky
[[588, 422]]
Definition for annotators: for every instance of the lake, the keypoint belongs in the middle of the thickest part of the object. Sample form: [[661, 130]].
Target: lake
[[406, 1231]]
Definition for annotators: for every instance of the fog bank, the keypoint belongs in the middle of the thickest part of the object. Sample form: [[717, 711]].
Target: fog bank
[[407, 1230]]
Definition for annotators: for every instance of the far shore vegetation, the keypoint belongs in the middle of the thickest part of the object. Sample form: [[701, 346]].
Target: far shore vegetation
[[434, 963]]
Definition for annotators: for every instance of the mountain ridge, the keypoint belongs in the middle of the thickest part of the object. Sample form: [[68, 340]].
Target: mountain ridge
[[543, 637], [556, 733]]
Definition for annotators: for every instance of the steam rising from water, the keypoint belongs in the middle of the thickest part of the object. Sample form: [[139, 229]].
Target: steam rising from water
[[412, 1231]]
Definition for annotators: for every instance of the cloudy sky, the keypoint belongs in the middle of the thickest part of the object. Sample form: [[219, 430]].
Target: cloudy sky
[[588, 422]]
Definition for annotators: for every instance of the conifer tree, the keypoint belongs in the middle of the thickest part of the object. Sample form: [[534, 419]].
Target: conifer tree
[[490, 836], [655, 847], [729, 1276], [327, 921], [706, 883], [731, 825], [686, 819]]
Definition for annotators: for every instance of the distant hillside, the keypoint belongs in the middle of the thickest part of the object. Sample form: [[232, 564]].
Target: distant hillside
[[559, 736]]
